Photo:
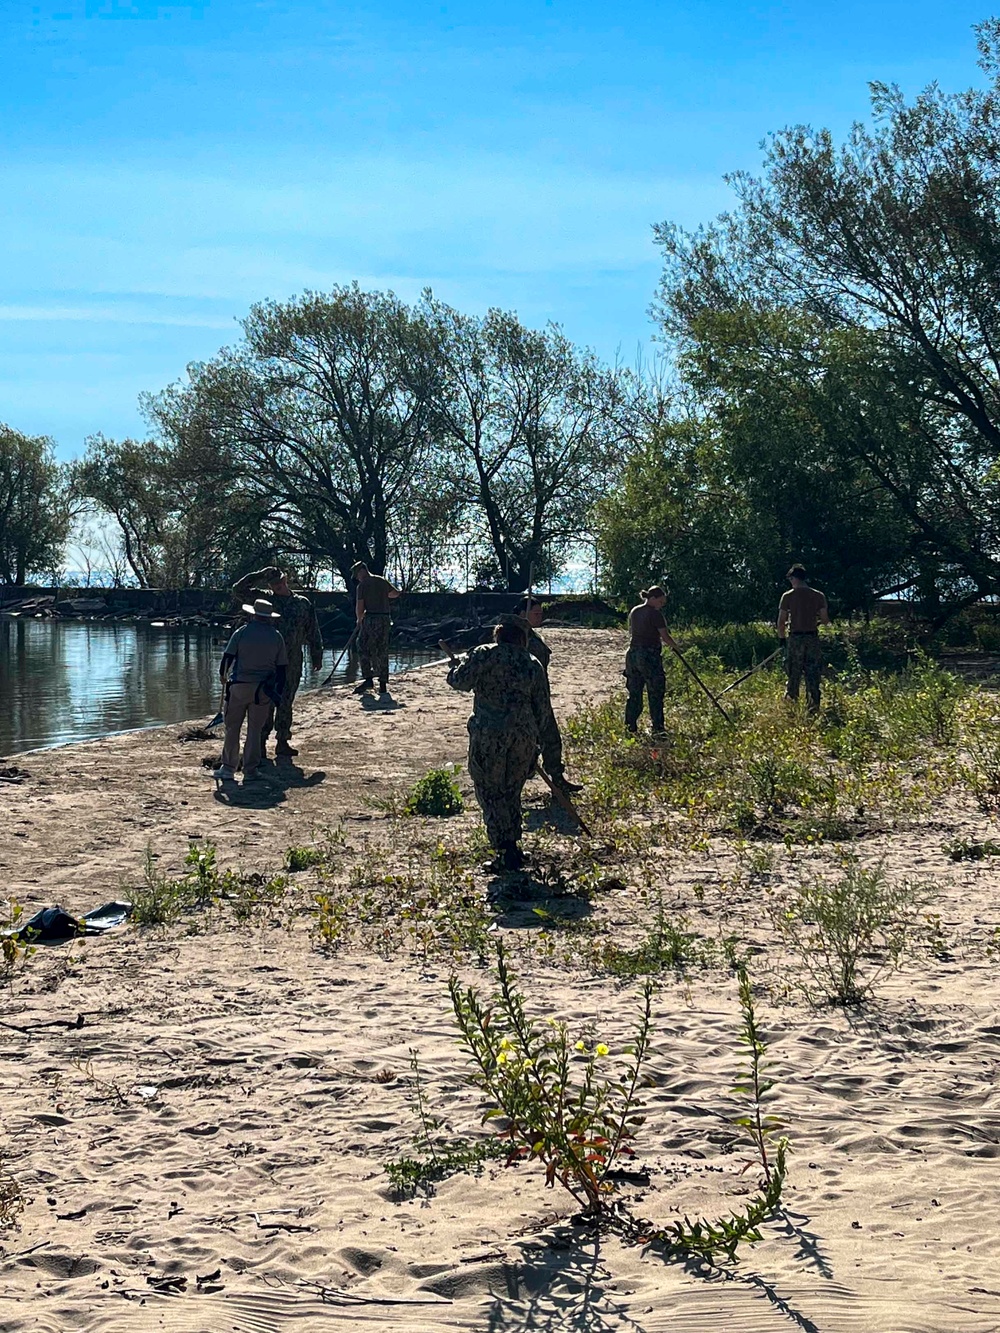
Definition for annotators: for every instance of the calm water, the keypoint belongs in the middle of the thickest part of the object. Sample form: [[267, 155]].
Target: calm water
[[63, 681]]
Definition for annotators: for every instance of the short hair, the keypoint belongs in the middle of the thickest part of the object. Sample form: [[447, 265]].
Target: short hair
[[796, 572], [357, 567], [510, 634], [526, 603], [654, 591]]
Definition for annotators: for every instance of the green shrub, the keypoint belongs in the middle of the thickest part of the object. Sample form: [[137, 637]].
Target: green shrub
[[971, 849], [303, 858], [436, 794], [847, 933]]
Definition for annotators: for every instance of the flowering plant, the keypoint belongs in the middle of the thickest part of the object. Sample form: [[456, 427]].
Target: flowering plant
[[554, 1099]]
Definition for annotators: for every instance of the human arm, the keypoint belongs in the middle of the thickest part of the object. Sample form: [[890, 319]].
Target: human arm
[[823, 614], [229, 654], [462, 675], [782, 620], [393, 593], [359, 607], [549, 739], [260, 578]]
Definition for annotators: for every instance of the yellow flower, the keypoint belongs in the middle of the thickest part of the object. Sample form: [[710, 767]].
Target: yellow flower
[[602, 1049], [579, 1046], [502, 1058], [527, 1064]]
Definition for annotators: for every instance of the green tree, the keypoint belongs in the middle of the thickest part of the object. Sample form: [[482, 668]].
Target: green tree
[[535, 428], [888, 247], [320, 418], [35, 512]]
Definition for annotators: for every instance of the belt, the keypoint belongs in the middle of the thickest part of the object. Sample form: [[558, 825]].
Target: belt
[[804, 633], [378, 613]]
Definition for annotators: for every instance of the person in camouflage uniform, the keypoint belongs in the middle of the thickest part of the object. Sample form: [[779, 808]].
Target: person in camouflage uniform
[[511, 721], [644, 659], [531, 614], [299, 627]]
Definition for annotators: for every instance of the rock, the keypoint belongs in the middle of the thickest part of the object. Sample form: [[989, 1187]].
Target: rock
[[81, 605]]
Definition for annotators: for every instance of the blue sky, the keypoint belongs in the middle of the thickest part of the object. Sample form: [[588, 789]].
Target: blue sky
[[164, 166]]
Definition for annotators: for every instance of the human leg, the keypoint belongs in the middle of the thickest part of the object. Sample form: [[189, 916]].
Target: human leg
[[238, 699], [794, 656], [257, 716], [283, 712], [813, 671], [656, 688], [634, 684]]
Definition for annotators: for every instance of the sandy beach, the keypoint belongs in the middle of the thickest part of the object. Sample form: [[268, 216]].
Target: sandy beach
[[201, 1141]]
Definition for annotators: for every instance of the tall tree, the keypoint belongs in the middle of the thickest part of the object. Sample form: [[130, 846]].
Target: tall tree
[[892, 240], [35, 512], [321, 415], [534, 426]]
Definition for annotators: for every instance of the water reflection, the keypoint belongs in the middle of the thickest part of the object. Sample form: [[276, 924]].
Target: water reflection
[[63, 681]]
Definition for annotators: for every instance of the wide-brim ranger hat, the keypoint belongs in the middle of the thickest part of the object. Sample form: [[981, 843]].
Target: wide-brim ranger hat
[[261, 607]]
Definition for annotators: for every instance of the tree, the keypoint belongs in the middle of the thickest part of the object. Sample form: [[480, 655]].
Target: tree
[[320, 417], [890, 247], [35, 512], [534, 427], [167, 520]]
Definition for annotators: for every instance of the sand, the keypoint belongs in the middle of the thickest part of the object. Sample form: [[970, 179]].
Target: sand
[[206, 1151]]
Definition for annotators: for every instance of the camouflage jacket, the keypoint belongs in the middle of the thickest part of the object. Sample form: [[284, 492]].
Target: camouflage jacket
[[511, 692], [539, 649], [298, 625]]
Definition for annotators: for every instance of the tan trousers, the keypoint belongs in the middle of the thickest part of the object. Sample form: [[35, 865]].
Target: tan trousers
[[241, 703]]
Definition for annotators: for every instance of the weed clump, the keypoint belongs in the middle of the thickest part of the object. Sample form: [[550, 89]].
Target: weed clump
[[161, 901], [435, 794], [847, 933]]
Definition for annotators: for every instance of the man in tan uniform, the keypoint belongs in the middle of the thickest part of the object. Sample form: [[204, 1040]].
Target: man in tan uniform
[[801, 611], [254, 668], [375, 625]]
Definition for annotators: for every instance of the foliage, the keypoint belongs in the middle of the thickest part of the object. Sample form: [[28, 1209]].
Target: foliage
[[162, 901], [303, 858], [533, 426], [431, 907], [436, 793], [13, 953], [551, 1096], [173, 528], [710, 1239], [439, 1155], [886, 746], [35, 510], [847, 933], [11, 1195], [845, 313], [971, 849]]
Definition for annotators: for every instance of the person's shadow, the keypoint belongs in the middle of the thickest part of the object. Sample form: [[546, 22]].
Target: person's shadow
[[270, 788], [376, 704]]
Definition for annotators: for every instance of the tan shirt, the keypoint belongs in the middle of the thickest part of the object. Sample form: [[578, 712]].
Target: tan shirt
[[258, 649], [803, 606], [645, 623]]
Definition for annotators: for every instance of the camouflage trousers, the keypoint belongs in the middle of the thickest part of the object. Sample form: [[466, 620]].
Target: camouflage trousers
[[644, 671], [280, 720], [804, 657], [373, 647], [500, 763]]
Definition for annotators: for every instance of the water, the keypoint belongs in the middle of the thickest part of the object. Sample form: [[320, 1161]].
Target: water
[[63, 681]]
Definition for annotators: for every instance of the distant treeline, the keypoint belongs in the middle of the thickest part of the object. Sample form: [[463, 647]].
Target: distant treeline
[[834, 397]]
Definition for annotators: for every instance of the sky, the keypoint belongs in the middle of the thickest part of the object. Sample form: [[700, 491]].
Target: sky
[[162, 167]]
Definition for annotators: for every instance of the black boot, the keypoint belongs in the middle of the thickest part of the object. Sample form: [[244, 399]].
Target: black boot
[[364, 687]]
